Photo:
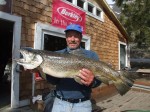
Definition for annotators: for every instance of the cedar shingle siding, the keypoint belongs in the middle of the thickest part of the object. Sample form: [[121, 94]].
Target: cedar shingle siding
[[104, 36]]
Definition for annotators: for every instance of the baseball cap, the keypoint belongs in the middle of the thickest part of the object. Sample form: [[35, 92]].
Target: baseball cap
[[75, 27]]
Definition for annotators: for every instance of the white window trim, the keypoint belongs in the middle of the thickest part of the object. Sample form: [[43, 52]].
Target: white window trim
[[41, 29], [92, 6], [15, 103], [122, 43], [85, 9]]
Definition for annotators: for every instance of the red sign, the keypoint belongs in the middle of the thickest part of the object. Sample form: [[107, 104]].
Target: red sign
[[65, 14]]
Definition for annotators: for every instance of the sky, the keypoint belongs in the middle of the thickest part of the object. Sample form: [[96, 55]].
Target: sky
[[109, 2]]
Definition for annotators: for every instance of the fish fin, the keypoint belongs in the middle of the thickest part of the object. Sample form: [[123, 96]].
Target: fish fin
[[127, 81], [103, 79], [125, 74], [127, 78], [123, 86], [78, 80], [132, 75], [77, 52]]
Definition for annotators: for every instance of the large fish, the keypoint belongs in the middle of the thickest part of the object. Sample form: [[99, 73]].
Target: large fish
[[68, 65]]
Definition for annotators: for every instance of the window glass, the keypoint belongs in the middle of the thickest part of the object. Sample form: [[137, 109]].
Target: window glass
[[54, 43], [98, 12], [80, 3], [69, 1], [90, 8], [122, 56]]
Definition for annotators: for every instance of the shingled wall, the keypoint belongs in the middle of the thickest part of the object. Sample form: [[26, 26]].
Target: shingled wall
[[104, 37]]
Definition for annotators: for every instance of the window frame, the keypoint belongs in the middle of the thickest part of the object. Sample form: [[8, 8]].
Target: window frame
[[85, 8], [41, 29], [126, 55]]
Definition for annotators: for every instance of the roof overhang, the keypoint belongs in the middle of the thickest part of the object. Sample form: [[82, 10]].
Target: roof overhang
[[114, 18]]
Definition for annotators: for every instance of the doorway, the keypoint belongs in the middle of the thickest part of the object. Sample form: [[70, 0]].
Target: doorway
[[13, 24], [122, 55], [6, 41]]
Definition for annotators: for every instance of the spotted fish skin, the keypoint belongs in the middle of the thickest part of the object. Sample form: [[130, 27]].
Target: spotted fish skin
[[62, 65]]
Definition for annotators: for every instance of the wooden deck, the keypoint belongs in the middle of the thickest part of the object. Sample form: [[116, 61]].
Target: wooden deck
[[133, 100]]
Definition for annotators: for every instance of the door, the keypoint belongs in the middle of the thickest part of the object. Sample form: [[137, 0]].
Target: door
[[123, 56]]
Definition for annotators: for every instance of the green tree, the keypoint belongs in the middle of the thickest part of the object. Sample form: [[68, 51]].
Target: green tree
[[135, 17]]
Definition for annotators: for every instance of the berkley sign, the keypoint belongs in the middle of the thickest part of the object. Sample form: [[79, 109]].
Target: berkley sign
[[64, 14], [69, 14]]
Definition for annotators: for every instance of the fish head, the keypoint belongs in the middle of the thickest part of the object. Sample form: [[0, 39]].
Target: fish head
[[30, 58]]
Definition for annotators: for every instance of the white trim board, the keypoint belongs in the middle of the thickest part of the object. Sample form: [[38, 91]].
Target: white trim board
[[15, 54], [41, 29]]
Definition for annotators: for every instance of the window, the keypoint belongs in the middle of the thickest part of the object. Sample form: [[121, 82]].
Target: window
[[69, 1], [98, 12], [122, 55], [54, 43], [53, 38], [90, 8], [80, 3]]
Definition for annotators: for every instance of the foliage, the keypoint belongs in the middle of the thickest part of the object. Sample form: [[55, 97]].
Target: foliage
[[140, 53], [135, 17]]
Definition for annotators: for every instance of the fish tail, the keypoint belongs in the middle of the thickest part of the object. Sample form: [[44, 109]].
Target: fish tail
[[121, 86], [127, 81]]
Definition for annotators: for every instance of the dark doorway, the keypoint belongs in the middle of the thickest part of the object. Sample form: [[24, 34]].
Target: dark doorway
[[6, 38]]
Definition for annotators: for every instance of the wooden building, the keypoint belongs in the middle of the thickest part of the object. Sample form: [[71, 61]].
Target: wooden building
[[40, 24]]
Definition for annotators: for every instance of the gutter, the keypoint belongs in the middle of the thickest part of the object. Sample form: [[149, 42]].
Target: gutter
[[111, 14]]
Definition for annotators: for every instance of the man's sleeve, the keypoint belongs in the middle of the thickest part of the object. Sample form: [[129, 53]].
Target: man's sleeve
[[95, 56], [95, 83]]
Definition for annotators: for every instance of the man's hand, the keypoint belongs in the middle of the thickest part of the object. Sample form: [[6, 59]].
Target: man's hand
[[86, 76]]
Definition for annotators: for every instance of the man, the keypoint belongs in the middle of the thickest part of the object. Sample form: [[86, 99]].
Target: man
[[70, 95]]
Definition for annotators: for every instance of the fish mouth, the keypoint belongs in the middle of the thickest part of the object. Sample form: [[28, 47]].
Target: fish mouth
[[25, 57], [29, 59]]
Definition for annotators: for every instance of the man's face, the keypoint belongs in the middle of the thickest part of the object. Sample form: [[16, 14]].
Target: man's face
[[73, 39]]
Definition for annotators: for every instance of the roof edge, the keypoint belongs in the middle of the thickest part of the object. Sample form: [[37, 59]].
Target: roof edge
[[109, 11]]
